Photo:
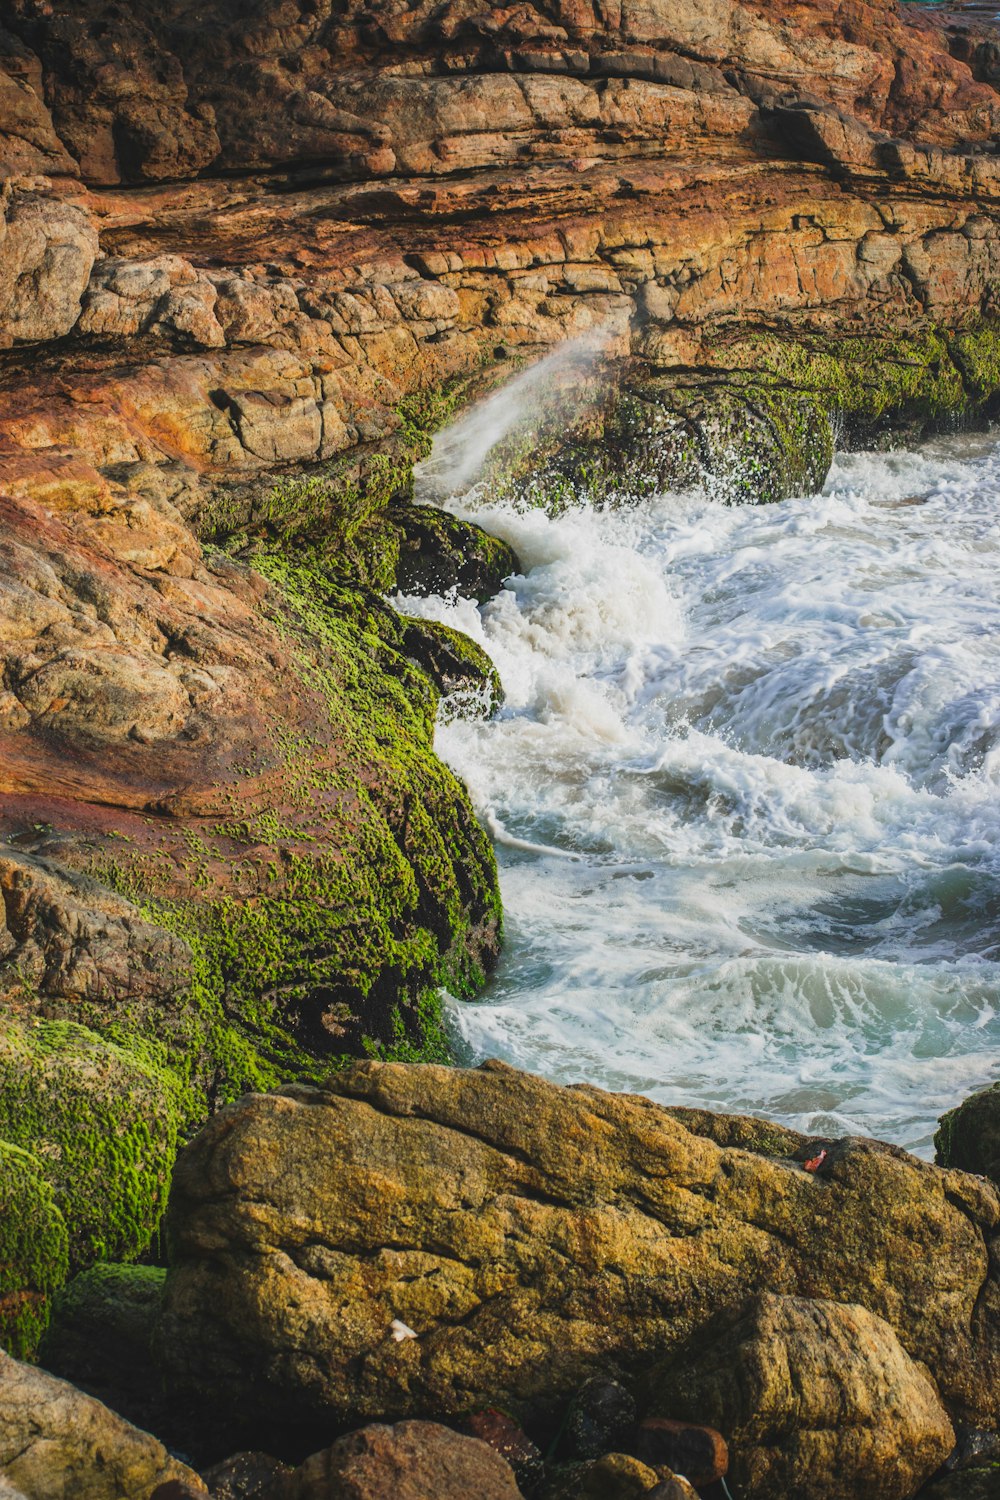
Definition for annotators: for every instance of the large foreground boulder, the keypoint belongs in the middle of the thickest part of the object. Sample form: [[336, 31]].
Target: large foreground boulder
[[58, 1444], [819, 1401], [527, 1236]]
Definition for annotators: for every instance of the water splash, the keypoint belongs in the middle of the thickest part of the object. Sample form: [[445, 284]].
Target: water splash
[[461, 449], [770, 738]]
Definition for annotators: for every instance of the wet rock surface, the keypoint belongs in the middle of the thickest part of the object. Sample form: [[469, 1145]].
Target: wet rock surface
[[250, 261]]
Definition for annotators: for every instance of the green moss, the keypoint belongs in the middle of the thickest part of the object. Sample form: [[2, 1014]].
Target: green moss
[[34, 1256], [102, 1121], [925, 378], [362, 885], [101, 1327]]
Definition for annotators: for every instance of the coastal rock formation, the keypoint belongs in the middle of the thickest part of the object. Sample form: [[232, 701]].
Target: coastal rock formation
[[530, 1236], [818, 1400], [54, 1440], [251, 258]]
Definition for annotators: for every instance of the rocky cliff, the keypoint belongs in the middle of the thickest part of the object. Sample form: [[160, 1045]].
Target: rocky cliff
[[251, 256]]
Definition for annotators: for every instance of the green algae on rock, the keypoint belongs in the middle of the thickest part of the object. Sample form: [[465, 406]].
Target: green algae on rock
[[102, 1120], [34, 1250]]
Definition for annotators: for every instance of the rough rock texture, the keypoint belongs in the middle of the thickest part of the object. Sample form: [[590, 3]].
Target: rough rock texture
[[55, 1441], [251, 256], [410, 1461], [969, 1137], [531, 1235], [616, 1476], [817, 1399]]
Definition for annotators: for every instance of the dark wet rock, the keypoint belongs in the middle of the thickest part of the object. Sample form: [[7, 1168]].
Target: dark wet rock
[[246, 1476], [968, 1136], [438, 554], [601, 1419], [815, 1399], [458, 666]]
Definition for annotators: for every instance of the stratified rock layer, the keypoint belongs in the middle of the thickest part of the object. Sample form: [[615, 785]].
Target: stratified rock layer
[[531, 1235]]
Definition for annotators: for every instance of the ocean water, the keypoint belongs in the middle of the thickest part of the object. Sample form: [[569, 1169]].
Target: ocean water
[[745, 793]]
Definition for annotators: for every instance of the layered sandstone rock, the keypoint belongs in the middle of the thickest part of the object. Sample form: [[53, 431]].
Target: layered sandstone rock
[[531, 1235]]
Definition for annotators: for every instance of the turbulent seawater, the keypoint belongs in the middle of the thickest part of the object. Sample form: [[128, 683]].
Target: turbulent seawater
[[744, 792]]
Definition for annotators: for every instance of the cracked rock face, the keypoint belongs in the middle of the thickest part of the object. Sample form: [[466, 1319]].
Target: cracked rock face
[[531, 1236]]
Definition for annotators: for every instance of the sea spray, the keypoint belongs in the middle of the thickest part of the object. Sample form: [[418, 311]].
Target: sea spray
[[462, 448], [770, 738]]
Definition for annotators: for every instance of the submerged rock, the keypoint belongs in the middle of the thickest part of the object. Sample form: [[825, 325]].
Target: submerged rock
[[818, 1400], [531, 1235], [55, 1441]]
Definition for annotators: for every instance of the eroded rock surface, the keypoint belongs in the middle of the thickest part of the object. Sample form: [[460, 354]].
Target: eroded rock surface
[[531, 1235]]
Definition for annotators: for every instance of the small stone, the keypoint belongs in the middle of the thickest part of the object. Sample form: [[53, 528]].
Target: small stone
[[245, 1476], [699, 1453], [616, 1476], [510, 1441], [674, 1487], [601, 1419]]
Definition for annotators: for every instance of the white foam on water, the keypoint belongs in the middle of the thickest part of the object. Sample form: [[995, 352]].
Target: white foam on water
[[744, 793]]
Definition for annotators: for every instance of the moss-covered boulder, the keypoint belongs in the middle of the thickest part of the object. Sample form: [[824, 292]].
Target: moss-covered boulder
[[968, 1136], [101, 1327], [102, 1120], [460, 668], [624, 434], [441, 554], [34, 1250]]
